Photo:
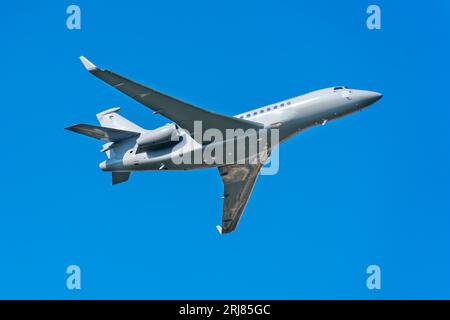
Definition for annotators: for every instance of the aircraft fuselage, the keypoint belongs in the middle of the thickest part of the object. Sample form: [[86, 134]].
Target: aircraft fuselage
[[288, 117]]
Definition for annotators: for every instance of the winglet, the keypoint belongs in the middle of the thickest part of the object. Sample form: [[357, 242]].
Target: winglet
[[87, 64], [219, 228]]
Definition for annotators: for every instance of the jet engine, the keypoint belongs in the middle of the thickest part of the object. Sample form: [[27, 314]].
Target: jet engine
[[160, 138]]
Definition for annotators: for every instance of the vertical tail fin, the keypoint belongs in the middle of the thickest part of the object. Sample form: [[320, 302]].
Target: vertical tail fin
[[110, 118]]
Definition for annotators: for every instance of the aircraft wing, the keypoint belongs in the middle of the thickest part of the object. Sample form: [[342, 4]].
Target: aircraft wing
[[238, 180], [182, 113]]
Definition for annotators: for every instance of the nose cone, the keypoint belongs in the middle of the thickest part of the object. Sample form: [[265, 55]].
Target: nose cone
[[365, 98], [372, 97]]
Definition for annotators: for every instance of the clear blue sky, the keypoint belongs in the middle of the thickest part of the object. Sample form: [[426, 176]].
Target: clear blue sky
[[372, 188]]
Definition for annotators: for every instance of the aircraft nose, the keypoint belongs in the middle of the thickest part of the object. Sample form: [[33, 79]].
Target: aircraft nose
[[372, 97], [365, 98]]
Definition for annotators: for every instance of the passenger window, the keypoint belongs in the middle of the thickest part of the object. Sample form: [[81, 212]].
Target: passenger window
[[262, 111], [282, 105], [248, 115], [255, 113], [276, 107]]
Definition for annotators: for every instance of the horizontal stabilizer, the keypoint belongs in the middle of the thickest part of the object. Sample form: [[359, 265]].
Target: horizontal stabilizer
[[102, 133], [119, 177]]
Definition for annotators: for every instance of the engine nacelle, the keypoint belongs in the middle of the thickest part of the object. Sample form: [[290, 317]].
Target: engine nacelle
[[165, 136]]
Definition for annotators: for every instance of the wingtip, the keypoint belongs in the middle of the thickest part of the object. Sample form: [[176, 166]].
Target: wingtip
[[87, 64], [219, 228], [70, 128]]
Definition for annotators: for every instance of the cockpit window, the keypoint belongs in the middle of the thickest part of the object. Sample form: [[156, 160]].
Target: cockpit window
[[339, 88]]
